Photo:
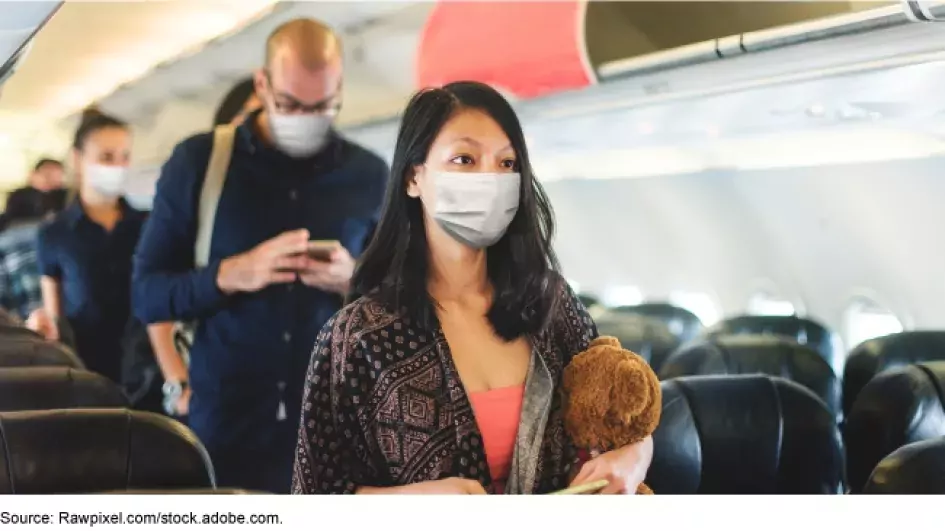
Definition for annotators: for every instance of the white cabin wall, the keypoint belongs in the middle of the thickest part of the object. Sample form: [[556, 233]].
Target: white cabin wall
[[821, 235]]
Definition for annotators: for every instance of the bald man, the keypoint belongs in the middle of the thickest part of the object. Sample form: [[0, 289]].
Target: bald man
[[292, 184]]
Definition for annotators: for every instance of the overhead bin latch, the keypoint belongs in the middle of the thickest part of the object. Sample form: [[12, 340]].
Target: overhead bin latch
[[924, 10]]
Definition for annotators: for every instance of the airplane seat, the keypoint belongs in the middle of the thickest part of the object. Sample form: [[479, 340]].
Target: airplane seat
[[757, 354], [20, 347], [874, 356], [684, 324], [898, 407], [751, 434], [804, 331], [648, 337], [917, 468], [589, 301], [98, 450], [35, 388]]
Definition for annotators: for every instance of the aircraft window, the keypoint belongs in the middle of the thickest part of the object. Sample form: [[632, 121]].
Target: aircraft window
[[700, 303], [616, 296], [765, 304], [864, 319]]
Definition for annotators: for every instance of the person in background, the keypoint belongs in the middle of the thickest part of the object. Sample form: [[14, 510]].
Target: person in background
[[238, 103], [85, 253], [20, 292], [44, 196], [426, 384], [261, 299]]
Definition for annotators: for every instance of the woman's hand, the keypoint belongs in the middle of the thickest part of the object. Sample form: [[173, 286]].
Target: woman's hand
[[40, 322], [624, 469], [440, 486]]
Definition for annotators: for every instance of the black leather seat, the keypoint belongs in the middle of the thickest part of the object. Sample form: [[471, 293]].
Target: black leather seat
[[86, 450], [804, 331], [877, 355], [744, 435], [898, 407], [648, 337], [917, 468], [588, 301], [20, 347], [23, 389], [758, 354], [684, 324]]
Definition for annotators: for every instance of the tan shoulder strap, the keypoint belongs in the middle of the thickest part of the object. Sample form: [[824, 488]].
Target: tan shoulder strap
[[223, 137]]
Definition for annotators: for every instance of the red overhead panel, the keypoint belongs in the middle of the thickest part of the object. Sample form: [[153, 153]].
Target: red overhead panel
[[526, 49]]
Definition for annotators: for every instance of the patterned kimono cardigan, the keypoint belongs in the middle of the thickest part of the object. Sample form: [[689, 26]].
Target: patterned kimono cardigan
[[384, 406]]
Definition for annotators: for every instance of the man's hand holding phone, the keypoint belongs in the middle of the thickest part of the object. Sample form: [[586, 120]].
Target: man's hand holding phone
[[329, 267], [274, 261]]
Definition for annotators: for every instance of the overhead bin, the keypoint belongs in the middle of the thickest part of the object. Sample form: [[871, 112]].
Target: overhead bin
[[19, 22], [624, 36], [533, 49]]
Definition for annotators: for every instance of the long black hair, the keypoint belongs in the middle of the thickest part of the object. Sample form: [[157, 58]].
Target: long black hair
[[233, 102], [522, 266]]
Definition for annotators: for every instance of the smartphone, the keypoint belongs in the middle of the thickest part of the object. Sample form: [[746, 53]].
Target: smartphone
[[587, 488], [321, 249]]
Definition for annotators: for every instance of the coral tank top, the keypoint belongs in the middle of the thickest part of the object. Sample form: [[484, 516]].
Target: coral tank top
[[498, 412]]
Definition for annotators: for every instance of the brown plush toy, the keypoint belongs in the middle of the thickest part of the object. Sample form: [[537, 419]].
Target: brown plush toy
[[612, 398]]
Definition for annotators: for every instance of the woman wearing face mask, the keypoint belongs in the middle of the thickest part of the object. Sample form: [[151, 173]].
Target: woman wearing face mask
[[85, 252], [444, 377]]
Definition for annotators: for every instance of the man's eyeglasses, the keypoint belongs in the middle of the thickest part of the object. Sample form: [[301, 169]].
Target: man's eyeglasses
[[285, 103]]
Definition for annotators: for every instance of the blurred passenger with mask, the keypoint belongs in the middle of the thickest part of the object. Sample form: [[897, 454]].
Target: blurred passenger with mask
[[85, 253], [167, 342], [264, 292], [19, 270], [44, 196]]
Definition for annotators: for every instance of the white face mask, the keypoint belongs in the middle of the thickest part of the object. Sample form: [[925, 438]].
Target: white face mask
[[476, 208], [300, 135], [106, 180]]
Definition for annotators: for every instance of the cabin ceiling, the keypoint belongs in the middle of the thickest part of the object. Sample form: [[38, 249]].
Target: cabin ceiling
[[132, 57]]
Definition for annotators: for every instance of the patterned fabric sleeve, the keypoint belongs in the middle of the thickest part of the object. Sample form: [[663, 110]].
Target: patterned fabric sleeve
[[330, 442], [576, 328]]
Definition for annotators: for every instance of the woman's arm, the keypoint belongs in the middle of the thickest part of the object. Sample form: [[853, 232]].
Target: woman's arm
[[442, 486], [624, 468], [43, 320], [52, 302], [328, 458], [332, 454]]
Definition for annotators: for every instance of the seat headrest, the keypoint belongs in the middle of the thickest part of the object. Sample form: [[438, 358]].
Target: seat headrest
[[86, 450], [804, 331], [33, 388], [744, 435], [588, 300], [917, 468], [20, 347], [877, 355], [649, 338], [684, 324], [757, 354], [898, 407]]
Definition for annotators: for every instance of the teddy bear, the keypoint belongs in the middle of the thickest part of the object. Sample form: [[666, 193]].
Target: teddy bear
[[612, 398]]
